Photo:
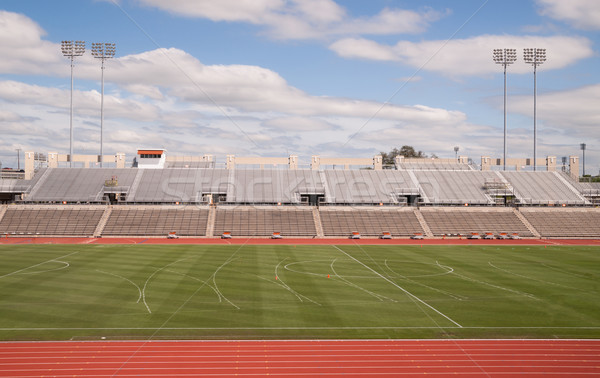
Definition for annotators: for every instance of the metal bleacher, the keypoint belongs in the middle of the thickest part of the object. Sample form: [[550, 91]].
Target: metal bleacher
[[368, 186], [77, 184], [273, 186], [264, 220], [543, 188], [569, 222], [457, 220], [455, 187], [50, 220], [132, 220], [369, 221]]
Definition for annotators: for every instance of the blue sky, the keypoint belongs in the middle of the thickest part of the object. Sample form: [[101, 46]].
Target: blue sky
[[278, 77]]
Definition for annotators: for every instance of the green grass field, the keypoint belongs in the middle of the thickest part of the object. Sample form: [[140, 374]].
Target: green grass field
[[201, 291]]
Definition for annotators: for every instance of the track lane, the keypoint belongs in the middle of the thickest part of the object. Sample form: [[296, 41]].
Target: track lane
[[477, 358]]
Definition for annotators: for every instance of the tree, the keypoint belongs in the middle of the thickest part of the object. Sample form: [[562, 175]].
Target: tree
[[406, 151]]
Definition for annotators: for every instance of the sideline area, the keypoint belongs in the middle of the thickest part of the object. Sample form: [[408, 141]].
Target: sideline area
[[292, 241]]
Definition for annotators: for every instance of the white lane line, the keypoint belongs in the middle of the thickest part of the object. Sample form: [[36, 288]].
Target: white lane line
[[399, 287]]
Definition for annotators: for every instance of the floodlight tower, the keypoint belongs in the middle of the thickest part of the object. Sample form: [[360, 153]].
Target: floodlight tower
[[102, 51], [456, 148], [71, 49], [535, 57], [505, 57], [583, 146]]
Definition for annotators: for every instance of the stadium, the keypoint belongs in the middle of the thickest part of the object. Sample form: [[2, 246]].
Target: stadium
[[429, 266], [211, 196]]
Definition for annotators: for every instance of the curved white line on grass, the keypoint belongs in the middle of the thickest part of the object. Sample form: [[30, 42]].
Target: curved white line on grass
[[455, 296], [378, 296], [126, 279], [152, 275], [283, 284], [411, 295], [33, 266], [298, 295], [421, 275], [531, 278], [287, 267], [492, 285], [199, 280], [50, 270], [214, 279]]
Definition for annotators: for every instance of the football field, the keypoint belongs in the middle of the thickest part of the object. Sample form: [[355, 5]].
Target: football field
[[91, 292]]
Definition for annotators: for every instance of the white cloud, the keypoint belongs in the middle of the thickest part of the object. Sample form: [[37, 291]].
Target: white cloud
[[583, 14], [298, 124], [301, 19], [471, 56], [25, 52], [572, 111]]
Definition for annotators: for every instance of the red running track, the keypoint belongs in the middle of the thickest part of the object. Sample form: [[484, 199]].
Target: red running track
[[348, 358], [290, 241]]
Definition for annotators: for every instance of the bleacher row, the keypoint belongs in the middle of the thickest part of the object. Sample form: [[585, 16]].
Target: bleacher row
[[255, 186], [290, 221]]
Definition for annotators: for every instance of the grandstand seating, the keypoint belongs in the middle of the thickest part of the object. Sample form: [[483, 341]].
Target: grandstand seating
[[456, 220], [147, 198], [156, 221], [342, 221], [542, 188], [432, 164], [77, 184], [272, 186], [23, 220], [564, 222], [455, 187], [264, 220], [367, 186]]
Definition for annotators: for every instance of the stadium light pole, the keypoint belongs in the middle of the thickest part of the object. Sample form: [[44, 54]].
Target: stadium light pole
[[19, 159], [505, 57], [583, 146], [102, 51], [535, 57], [456, 153], [71, 49]]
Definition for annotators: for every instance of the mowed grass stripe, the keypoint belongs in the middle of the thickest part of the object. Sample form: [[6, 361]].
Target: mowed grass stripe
[[284, 291]]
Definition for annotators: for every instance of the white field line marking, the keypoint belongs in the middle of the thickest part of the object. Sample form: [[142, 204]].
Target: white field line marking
[[126, 279], [156, 330], [400, 287], [33, 266], [281, 283], [531, 278], [152, 275], [378, 296], [289, 289], [567, 272], [199, 280], [50, 270], [455, 296], [214, 280], [285, 328], [287, 267], [492, 285], [450, 270]]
